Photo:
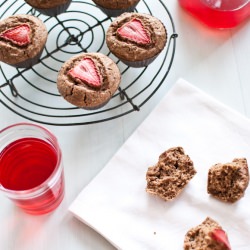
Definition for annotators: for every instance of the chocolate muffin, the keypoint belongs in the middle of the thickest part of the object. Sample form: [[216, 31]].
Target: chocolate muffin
[[115, 8], [22, 40], [228, 182], [171, 174], [88, 80], [136, 39], [208, 235], [48, 7]]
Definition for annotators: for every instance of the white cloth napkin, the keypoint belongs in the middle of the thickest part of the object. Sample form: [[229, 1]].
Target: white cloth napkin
[[115, 203]]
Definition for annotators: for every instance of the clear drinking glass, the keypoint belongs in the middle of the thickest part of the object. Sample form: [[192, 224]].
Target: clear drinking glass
[[218, 13], [31, 169]]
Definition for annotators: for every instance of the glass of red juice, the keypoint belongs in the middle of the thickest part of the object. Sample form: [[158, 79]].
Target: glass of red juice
[[221, 14], [31, 169]]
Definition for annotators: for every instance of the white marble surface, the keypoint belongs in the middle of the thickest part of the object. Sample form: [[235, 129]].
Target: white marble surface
[[215, 61]]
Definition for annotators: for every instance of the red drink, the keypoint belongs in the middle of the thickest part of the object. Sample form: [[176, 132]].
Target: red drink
[[218, 13], [31, 173]]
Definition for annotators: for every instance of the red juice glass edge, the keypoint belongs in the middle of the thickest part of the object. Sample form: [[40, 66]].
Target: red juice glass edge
[[228, 15], [46, 196]]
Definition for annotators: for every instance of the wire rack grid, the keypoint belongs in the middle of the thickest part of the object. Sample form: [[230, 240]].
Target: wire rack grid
[[32, 93]]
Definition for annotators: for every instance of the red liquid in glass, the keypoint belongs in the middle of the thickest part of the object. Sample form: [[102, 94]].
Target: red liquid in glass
[[218, 13], [25, 164]]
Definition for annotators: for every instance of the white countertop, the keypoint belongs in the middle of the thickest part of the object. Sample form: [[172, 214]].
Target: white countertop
[[216, 61]]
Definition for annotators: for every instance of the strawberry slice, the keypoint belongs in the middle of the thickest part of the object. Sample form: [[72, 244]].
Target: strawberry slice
[[220, 236], [86, 71], [19, 35], [134, 31]]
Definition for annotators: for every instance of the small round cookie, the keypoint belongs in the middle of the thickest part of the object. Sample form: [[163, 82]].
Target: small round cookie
[[170, 175], [22, 40], [49, 7], [136, 39], [228, 182], [208, 235], [88, 80], [114, 8]]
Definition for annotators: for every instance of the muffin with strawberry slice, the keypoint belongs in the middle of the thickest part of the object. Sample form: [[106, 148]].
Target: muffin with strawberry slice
[[88, 80], [208, 235], [136, 39], [22, 40]]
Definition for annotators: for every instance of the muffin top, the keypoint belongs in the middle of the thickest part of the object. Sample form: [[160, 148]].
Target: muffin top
[[116, 4], [21, 37], [135, 37], [45, 4], [88, 79]]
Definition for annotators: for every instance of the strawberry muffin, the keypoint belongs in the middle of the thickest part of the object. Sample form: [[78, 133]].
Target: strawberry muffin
[[208, 235], [48, 7], [22, 40], [136, 39], [88, 80], [115, 8]]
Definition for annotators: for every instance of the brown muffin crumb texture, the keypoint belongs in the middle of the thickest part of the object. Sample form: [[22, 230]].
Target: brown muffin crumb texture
[[171, 174], [228, 181], [45, 4], [209, 235], [116, 4]]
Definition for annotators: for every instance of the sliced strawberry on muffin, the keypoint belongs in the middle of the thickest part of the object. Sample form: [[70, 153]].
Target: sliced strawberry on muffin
[[88, 80], [134, 31], [18, 35], [22, 40], [86, 72], [136, 39]]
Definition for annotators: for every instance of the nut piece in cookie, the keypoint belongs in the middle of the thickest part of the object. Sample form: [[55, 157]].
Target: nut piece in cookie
[[209, 235], [171, 174], [228, 182]]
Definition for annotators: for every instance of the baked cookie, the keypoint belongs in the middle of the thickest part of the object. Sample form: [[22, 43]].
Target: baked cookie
[[88, 80], [228, 182], [209, 235], [136, 39], [171, 174]]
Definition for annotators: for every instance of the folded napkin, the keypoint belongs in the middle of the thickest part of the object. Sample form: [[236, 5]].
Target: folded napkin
[[116, 204]]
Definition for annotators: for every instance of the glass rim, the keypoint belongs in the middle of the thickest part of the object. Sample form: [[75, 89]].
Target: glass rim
[[219, 9], [32, 192]]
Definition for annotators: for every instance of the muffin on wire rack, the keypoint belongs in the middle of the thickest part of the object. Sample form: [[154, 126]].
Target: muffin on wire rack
[[49, 7], [114, 8], [22, 40], [88, 80], [136, 39]]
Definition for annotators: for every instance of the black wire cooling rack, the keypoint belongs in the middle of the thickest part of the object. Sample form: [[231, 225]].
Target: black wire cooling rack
[[32, 93]]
